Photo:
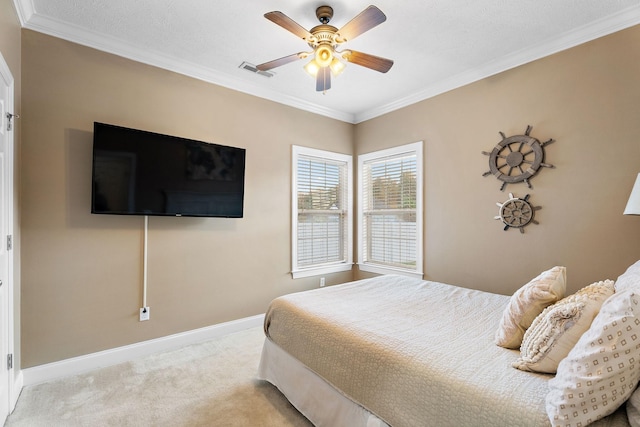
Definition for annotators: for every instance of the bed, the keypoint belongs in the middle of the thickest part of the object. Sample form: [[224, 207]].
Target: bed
[[398, 351]]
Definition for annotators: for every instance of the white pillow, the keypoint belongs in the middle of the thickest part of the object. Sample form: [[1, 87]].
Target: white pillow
[[557, 329], [602, 370], [527, 302], [629, 279]]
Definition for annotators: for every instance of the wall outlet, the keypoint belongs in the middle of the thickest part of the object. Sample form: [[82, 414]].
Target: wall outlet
[[322, 282], [144, 314]]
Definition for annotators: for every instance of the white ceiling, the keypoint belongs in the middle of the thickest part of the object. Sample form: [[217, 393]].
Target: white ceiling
[[437, 45]]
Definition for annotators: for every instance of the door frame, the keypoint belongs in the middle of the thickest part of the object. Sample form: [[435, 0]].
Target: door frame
[[15, 381]]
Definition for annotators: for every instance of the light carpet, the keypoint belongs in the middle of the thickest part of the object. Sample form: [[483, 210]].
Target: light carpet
[[207, 384]]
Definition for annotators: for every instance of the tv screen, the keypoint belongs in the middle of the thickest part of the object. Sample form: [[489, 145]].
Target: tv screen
[[137, 172]]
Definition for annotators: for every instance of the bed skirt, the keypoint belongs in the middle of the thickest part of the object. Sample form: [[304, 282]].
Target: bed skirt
[[316, 399]]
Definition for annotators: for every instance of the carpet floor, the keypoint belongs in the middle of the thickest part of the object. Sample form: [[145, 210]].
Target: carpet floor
[[212, 383]]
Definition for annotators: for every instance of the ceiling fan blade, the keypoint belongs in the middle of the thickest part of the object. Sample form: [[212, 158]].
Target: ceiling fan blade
[[323, 79], [289, 24], [366, 20], [376, 63], [282, 61]]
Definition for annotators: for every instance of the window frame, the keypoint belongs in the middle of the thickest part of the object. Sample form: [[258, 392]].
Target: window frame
[[347, 239], [416, 149]]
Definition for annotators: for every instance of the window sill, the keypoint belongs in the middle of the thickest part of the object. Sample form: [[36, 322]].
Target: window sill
[[317, 271], [390, 270]]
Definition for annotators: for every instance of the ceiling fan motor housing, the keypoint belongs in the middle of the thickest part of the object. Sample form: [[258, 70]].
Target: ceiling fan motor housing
[[323, 34], [324, 14]]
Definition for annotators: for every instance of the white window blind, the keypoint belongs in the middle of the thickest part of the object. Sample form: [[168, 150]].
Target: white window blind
[[390, 210], [322, 203]]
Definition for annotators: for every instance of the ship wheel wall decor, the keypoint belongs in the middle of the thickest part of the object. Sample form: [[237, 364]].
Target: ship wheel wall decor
[[517, 158], [517, 212]]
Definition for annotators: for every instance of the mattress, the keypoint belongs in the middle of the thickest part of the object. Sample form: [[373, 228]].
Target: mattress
[[412, 353]]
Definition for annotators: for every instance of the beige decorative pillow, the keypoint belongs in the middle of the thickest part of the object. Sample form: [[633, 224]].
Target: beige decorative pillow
[[527, 302], [630, 279], [602, 370], [557, 329]]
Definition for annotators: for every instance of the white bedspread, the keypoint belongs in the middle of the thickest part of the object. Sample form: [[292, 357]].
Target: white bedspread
[[415, 353]]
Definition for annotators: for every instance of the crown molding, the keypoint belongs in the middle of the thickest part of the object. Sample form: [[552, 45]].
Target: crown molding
[[31, 20], [115, 46], [24, 9], [617, 22]]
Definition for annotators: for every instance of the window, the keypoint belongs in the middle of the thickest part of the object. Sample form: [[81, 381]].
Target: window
[[322, 203], [390, 210]]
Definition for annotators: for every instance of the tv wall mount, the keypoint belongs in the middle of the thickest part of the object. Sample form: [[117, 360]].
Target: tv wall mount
[[517, 158]]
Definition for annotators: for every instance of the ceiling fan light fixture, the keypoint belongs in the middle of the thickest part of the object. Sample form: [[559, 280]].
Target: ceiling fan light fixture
[[324, 55], [312, 68], [337, 67]]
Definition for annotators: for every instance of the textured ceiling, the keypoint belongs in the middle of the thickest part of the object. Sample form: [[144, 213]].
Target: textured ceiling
[[437, 45]]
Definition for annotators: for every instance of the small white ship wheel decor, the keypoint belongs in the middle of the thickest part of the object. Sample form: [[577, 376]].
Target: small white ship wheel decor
[[517, 213], [517, 158]]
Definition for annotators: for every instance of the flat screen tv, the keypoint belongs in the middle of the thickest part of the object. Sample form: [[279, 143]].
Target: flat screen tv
[[137, 172]]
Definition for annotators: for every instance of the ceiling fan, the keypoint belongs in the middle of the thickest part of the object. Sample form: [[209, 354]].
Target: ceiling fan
[[324, 39]]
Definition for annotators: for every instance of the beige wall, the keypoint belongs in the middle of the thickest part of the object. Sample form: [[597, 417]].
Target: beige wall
[[82, 273], [81, 284], [588, 100], [10, 36]]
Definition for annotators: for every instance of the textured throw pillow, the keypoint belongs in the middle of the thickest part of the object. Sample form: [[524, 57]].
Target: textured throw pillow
[[527, 302], [602, 370], [630, 279], [559, 327]]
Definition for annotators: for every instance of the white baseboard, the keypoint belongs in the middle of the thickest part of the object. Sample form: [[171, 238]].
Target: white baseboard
[[81, 364], [16, 389]]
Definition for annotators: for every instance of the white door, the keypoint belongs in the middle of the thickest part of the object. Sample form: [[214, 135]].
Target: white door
[[6, 207]]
